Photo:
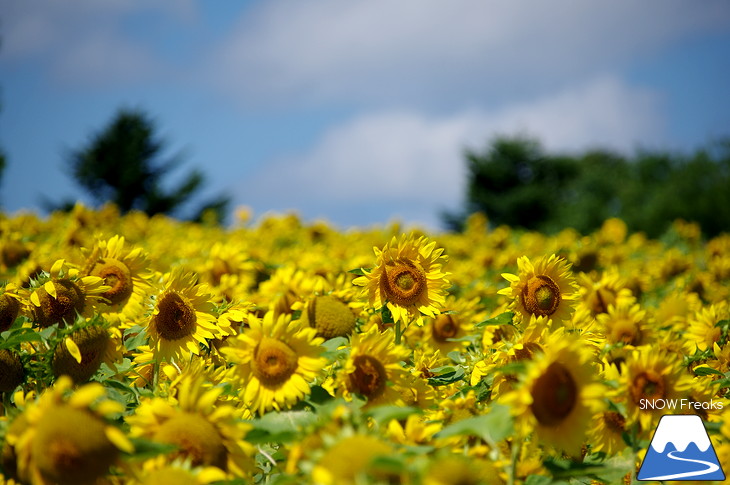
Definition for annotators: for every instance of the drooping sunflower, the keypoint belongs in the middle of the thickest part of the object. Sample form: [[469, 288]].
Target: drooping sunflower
[[66, 439], [83, 349], [9, 306], [558, 394], [182, 318], [543, 289], [408, 277], [373, 368], [126, 273], [207, 432], [275, 360], [62, 294]]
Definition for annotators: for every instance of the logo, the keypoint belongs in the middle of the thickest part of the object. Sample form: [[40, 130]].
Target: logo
[[680, 450]]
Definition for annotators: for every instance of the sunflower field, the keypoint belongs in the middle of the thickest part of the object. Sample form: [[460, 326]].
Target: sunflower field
[[145, 350]]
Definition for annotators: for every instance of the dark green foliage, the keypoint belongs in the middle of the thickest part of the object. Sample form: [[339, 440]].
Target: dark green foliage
[[515, 182], [123, 164]]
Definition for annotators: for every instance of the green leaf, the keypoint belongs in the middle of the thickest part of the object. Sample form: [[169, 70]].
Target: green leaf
[[134, 337], [385, 315], [501, 319], [538, 480], [13, 338], [492, 427], [144, 449], [446, 375], [280, 427], [706, 370], [359, 271], [384, 414]]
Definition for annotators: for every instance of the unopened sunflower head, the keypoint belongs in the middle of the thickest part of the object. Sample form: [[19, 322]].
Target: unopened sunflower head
[[62, 294], [9, 306], [67, 437], [330, 316], [81, 349]]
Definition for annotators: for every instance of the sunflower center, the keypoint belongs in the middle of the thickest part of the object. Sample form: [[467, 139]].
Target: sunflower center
[[175, 318], [69, 301], [527, 350], [554, 395], [117, 275], [274, 362], [11, 370], [9, 309], [92, 342], [541, 296], [614, 421], [197, 439], [444, 327], [71, 446], [648, 385], [369, 376], [403, 283], [625, 331]]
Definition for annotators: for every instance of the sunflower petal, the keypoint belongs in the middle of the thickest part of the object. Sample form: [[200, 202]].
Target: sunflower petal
[[73, 349], [120, 440]]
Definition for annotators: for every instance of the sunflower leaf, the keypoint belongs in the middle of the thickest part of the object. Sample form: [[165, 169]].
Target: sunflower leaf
[[501, 319], [279, 427], [491, 427], [384, 414], [446, 375], [359, 271], [14, 338], [706, 370]]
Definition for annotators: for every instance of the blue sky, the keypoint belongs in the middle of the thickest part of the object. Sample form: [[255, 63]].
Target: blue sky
[[357, 112]]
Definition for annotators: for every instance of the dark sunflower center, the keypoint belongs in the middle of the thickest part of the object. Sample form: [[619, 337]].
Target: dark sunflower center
[[9, 309], [68, 302], [197, 439], [274, 362], [648, 385], [369, 377], [175, 318], [92, 342], [71, 446], [117, 275], [541, 296], [554, 395], [444, 327], [614, 421], [626, 331], [11, 371], [403, 283], [527, 351]]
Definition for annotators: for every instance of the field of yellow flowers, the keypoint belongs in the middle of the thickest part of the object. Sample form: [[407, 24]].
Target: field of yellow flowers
[[145, 350]]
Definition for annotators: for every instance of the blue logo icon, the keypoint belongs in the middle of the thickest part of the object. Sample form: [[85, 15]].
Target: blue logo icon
[[680, 450]]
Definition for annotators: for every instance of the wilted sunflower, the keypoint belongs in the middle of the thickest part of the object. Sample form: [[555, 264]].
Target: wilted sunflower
[[67, 440], [207, 432], [373, 370], [83, 349], [125, 272], [182, 318], [63, 294], [276, 361], [558, 395], [543, 289], [408, 277]]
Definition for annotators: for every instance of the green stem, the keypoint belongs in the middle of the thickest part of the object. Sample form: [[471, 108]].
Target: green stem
[[155, 375], [398, 333]]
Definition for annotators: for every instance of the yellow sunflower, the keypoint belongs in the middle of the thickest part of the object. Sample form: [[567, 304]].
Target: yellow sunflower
[[646, 377], [607, 431], [63, 294], [126, 273], [373, 370], [543, 289], [703, 331], [275, 360], [558, 395], [350, 461], [182, 318], [66, 439], [207, 432], [408, 277], [624, 323]]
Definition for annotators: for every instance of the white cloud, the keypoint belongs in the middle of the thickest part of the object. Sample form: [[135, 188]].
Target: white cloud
[[410, 165], [378, 50]]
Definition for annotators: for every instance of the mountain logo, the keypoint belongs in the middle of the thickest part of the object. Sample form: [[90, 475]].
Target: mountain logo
[[680, 450]]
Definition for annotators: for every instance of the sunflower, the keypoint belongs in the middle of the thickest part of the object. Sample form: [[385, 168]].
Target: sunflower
[[125, 272], [9, 306], [446, 331], [453, 469], [182, 318], [83, 349], [206, 431], [276, 361], [407, 278], [557, 396], [67, 439], [597, 296], [329, 315], [646, 376], [703, 330], [62, 294], [543, 289], [350, 460], [624, 324], [12, 372], [607, 432], [373, 369]]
